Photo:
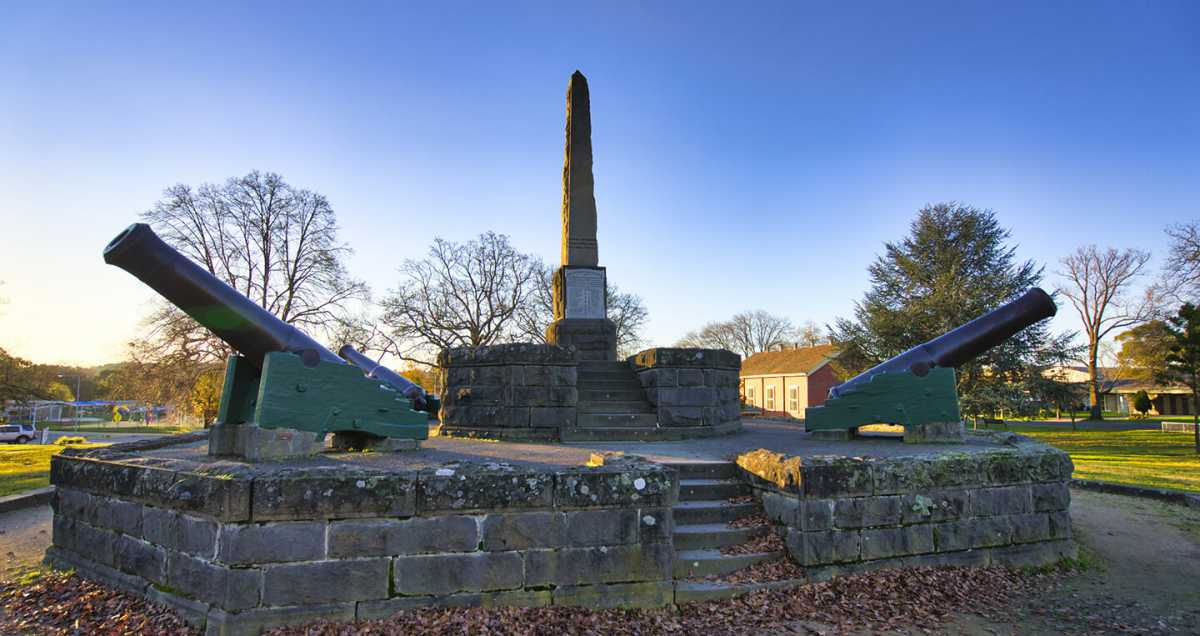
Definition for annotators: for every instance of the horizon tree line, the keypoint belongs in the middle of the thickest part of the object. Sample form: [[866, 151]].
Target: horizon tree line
[[278, 245]]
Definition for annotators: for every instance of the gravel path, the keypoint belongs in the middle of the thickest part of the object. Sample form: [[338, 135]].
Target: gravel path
[[24, 536]]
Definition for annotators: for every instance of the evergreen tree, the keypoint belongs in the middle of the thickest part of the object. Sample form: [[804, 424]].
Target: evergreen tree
[[954, 265], [1183, 363]]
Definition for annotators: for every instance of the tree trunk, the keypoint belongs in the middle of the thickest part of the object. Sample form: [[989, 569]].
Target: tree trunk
[[1094, 398]]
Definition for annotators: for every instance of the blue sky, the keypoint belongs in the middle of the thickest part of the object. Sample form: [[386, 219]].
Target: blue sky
[[752, 156]]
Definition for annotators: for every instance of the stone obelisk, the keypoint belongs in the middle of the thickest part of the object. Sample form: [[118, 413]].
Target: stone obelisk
[[580, 309]]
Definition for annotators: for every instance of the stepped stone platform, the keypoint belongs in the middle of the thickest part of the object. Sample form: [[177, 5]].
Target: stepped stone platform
[[240, 547], [537, 392]]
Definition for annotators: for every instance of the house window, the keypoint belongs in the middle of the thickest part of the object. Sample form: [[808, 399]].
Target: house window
[[750, 395], [770, 398], [793, 398]]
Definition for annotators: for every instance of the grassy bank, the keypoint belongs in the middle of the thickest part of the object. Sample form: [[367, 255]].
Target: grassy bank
[[1137, 457], [27, 466]]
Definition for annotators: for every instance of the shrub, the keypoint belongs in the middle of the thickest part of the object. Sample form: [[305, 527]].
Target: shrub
[[1142, 403]]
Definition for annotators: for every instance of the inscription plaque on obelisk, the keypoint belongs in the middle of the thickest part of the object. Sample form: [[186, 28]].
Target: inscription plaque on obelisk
[[585, 293], [580, 310]]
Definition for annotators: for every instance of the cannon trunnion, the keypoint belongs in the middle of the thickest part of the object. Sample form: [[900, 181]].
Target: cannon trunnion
[[284, 391]]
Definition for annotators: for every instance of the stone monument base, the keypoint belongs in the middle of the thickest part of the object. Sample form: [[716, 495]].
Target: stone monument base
[[254, 443], [942, 432], [932, 433], [593, 339], [238, 549], [349, 441]]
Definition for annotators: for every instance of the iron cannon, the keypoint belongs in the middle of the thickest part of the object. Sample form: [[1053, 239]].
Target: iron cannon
[[917, 388], [280, 377], [422, 400]]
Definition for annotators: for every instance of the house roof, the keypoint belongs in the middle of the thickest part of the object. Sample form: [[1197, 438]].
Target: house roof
[[806, 361]]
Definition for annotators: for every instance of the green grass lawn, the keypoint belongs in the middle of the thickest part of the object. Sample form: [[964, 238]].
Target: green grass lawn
[[1141, 458], [113, 428], [27, 466]]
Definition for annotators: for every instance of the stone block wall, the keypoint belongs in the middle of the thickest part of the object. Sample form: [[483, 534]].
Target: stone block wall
[[511, 391], [1006, 506], [691, 387], [238, 549]]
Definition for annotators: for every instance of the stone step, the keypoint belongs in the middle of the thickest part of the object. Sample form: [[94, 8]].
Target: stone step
[[705, 470], [616, 420], [610, 394], [697, 591], [694, 489], [615, 407], [691, 564], [713, 535], [711, 511]]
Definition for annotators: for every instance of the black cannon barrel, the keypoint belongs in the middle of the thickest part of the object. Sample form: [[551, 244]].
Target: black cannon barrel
[[377, 371], [231, 316], [962, 343]]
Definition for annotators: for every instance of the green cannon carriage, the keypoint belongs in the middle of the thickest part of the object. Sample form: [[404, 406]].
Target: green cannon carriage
[[283, 391], [916, 389]]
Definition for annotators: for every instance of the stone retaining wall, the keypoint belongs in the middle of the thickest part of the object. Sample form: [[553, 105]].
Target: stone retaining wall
[[691, 387], [238, 547], [840, 515], [510, 391]]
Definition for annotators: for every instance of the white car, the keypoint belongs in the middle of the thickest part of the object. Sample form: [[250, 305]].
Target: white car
[[18, 433]]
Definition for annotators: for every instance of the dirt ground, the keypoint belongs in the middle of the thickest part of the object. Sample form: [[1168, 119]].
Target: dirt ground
[[24, 536], [1142, 574], [1140, 558]]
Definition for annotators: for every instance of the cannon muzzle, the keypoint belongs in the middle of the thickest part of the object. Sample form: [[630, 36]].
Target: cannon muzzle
[[963, 343], [421, 400], [231, 316]]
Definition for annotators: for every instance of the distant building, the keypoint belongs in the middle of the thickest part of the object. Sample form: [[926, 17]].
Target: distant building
[[1116, 392], [787, 382]]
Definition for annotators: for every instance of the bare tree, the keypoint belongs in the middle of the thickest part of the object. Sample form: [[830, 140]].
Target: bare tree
[[627, 311], [745, 333], [461, 295], [268, 240], [761, 331], [629, 314], [272, 242], [714, 335], [1181, 272], [811, 334], [1098, 284]]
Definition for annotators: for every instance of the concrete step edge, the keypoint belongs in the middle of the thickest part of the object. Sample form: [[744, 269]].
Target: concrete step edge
[[700, 562]]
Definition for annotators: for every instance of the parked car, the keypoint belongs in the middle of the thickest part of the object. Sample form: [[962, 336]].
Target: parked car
[[18, 433]]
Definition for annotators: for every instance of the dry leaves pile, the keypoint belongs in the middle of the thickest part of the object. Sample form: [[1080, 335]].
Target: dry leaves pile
[[767, 541], [782, 569], [750, 521], [919, 599], [61, 603]]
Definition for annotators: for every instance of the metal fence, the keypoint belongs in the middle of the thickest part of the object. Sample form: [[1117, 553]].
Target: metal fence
[[1178, 427]]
